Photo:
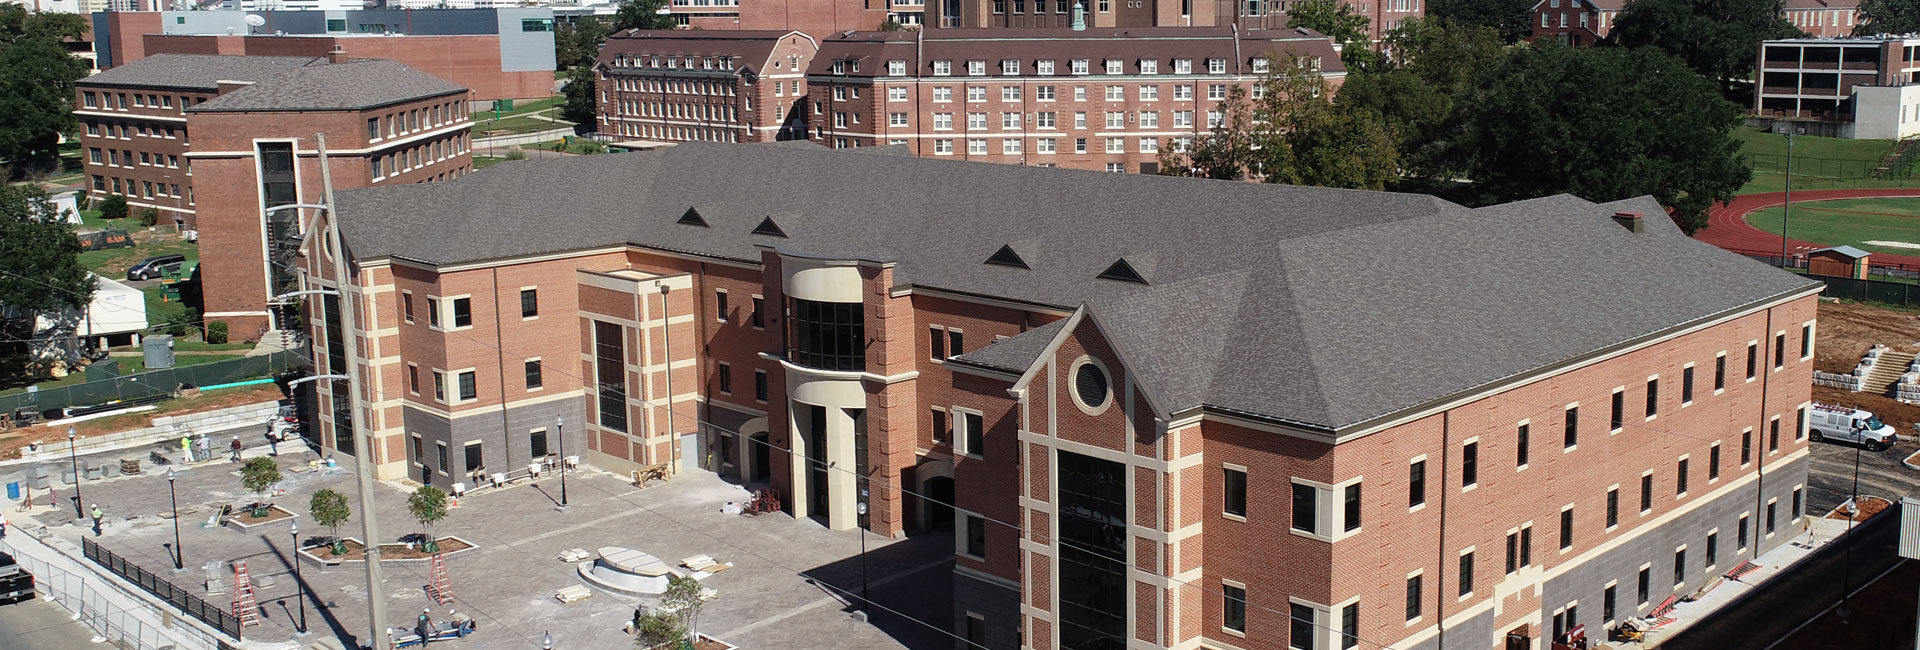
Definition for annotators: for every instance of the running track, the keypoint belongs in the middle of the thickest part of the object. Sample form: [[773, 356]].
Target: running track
[[1727, 225]]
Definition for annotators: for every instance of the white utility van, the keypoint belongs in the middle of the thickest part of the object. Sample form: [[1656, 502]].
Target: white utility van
[[1851, 425]]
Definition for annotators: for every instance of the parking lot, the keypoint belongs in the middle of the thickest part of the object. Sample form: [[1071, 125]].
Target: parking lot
[[774, 596], [1830, 473]]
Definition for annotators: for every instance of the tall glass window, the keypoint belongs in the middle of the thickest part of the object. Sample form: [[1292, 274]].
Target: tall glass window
[[610, 374], [1093, 550], [828, 335]]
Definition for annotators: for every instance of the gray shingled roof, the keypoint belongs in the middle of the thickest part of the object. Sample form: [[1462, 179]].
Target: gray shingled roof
[[1319, 306], [280, 82]]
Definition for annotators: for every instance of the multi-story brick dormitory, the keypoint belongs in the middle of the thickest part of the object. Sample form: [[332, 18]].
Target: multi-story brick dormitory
[[151, 126], [1153, 411], [1102, 98], [697, 85]]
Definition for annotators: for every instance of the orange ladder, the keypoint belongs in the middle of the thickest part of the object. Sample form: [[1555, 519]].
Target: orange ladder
[[243, 608], [441, 589]]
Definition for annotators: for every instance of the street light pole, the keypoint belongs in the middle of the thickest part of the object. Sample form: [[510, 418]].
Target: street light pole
[[1786, 199], [561, 433], [1853, 514], [865, 605], [179, 554], [299, 584], [73, 455]]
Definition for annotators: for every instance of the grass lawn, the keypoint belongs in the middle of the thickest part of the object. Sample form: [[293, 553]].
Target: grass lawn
[[159, 312], [483, 162], [514, 125], [114, 262], [1820, 163], [580, 146], [524, 107], [1850, 222]]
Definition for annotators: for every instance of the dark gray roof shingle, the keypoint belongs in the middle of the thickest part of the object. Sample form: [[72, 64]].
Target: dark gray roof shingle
[[1318, 306], [280, 82]]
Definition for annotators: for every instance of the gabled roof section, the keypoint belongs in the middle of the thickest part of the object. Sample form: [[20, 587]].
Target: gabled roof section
[[1016, 353], [1006, 256], [692, 218], [768, 227], [1848, 251], [1123, 271]]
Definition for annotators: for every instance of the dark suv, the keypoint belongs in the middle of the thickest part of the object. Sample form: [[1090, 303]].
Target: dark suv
[[154, 267]]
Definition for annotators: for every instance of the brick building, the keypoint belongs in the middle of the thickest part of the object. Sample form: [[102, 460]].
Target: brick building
[[1574, 22], [700, 85], [149, 127], [497, 53], [1823, 18], [1123, 396], [810, 16], [1846, 87], [1383, 15], [1101, 99]]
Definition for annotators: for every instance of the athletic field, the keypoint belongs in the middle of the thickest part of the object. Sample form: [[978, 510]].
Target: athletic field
[[1874, 225]]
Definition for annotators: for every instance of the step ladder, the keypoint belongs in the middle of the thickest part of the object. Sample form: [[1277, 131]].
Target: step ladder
[[439, 588], [243, 608]]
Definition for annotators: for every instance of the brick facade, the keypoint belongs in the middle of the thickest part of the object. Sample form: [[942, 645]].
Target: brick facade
[[677, 86]]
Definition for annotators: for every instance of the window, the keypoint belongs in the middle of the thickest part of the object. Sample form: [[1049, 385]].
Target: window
[[1149, 93], [1305, 501], [1573, 426], [1566, 529], [976, 146], [956, 343], [610, 375], [1466, 573], [1043, 93], [942, 68], [760, 385], [974, 440], [976, 630], [1797, 503], [1753, 359], [1646, 584], [413, 379], [1044, 145], [529, 303], [1416, 483], [943, 122], [976, 68], [1770, 518], [468, 389], [1773, 435], [1234, 607], [1618, 412], [1513, 552], [1653, 398], [1526, 545], [896, 68], [1686, 385], [536, 24], [725, 376], [1470, 465], [720, 305], [1350, 626], [1713, 549], [1236, 492], [1079, 66], [1713, 462], [1613, 507], [462, 312], [1746, 447], [1646, 492], [533, 374], [1800, 423], [1520, 445], [475, 458], [1607, 610], [1806, 341], [1680, 489], [1009, 67], [1413, 597], [1740, 537], [1779, 351], [828, 335], [1679, 566], [976, 536], [897, 94], [442, 457], [1720, 372], [976, 121], [896, 119], [1044, 67], [1352, 507]]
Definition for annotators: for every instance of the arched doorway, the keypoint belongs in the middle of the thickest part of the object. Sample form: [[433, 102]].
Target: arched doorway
[[752, 462]]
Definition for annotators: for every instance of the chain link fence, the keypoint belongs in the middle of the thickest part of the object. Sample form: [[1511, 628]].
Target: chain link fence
[[152, 385]]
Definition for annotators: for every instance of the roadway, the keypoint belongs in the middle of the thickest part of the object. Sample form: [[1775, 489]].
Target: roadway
[[1774, 609]]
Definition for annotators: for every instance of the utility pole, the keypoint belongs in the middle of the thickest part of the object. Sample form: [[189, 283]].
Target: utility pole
[[363, 470], [1786, 200]]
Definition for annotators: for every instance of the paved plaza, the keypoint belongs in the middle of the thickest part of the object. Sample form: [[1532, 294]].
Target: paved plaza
[[774, 596]]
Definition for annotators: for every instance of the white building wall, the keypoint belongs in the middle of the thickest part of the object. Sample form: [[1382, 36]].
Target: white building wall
[[1886, 112]]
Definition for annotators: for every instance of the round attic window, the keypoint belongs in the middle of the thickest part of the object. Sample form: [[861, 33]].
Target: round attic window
[[1091, 386]]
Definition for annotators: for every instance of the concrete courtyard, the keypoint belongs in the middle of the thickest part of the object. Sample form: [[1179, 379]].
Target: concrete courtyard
[[776, 595]]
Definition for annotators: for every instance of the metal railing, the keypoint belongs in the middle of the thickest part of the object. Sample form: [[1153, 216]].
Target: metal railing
[[111, 611], [180, 598]]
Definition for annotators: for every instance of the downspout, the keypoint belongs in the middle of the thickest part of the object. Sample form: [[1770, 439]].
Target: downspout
[[506, 432], [1440, 568], [1760, 481]]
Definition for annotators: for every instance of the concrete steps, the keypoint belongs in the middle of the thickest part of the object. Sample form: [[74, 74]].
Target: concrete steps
[[1886, 371]]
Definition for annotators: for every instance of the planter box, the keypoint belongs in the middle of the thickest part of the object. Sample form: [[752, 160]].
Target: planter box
[[244, 519], [323, 554]]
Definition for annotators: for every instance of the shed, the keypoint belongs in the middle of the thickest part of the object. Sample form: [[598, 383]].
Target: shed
[[1838, 261]]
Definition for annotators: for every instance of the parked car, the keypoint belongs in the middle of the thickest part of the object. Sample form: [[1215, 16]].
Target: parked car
[[15, 583], [154, 267], [1849, 425]]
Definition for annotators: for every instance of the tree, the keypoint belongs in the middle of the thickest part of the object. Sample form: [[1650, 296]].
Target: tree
[[1290, 131], [1434, 63], [1225, 152], [149, 216], [36, 83], [259, 475], [1717, 38], [114, 207], [582, 106], [39, 257], [329, 508], [642, 14], [1339, 21], [682, 597], [577, 44], [1888, 17], [428, 505], [656, 630], [1510, 19], [1603, 124]]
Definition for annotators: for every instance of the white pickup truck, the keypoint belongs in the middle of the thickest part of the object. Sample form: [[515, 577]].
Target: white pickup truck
[[1850, 425]]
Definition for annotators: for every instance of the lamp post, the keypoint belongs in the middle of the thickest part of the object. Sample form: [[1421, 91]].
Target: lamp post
[[179, 554], [546, 641], [865, 605], [299, 584], [561, 433], [1786, 199], [73, 455], [1853, 514]]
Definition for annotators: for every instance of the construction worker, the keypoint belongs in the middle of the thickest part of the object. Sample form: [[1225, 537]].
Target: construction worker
[[235, 448], [423, 626], [205, 447], [186, 446], [97, 516]]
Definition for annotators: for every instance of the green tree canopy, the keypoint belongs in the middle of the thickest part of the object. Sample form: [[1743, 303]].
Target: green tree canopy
[[1340, 22], [581, 106], [1291, 131], [1717, 38], [1434, 63], [259, 475], [329, 508], [1510, 19], [1602, 124], [428, 505], [576, 44], [641, 14], [1888, 17], [39, 257], [36, 82]]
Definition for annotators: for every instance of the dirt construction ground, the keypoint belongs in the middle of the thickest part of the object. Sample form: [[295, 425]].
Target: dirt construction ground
[[1846, 330]]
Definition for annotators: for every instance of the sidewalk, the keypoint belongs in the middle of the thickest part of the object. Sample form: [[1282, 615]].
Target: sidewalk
[[1818, 532]]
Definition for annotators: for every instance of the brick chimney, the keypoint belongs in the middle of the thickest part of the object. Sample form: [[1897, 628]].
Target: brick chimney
[[1629, 220], [337, 54]]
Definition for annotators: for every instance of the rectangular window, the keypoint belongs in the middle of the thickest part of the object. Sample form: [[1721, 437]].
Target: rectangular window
[[1686, 385], [1679, 566], [760, 385], [474, 457], [1413, 597], [1236, 491], [725, 376], [1806, 341], [1466, 573], [1680, 476], [1720, 373], [441, 457], [755, 318], [1753, 359], [1713, 549], [720, 306], [1713, 462], [468, 388], [413, 379], [1773, 435], [1526, 545], [1740, 536], [534, 379], [1520, 446], [1350, 626], [1770, 517], [1613, 507], [976, 536], [1746, 447], [1646, 585], [1234, 607], [1617, 417], [1653, 398], [462, 312], [1797, 502], [1470, 464], [1779, 351], [1566, 529], [956, 343], [610, 375], [1573, 426], [1646, 492], [1300, 627], [936, 342], [1305, 503], [439, 386], [976, 436], [1352, 507], [1800, 423], [1607, 610], [529, 303], [1416, 483]]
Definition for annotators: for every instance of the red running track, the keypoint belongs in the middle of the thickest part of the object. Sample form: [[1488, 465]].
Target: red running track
[[1727, 225]]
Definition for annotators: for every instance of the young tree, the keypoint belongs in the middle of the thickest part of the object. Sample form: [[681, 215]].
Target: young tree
[[1602, 124], [642, 14], [259, 475], [329, 508], [36, 83], [581, 107], [683, 597], [114, 207], [1888, 17], [1339, 21], [658, 630], [39, 257], [428, 505], [1224, 151], [1718, 39]]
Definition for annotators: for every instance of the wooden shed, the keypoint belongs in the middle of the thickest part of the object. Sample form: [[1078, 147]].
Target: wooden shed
[[1838, 261]]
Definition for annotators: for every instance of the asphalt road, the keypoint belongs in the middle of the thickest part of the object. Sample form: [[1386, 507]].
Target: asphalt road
[[1773, 610], [40, 625], [1830, 473]]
